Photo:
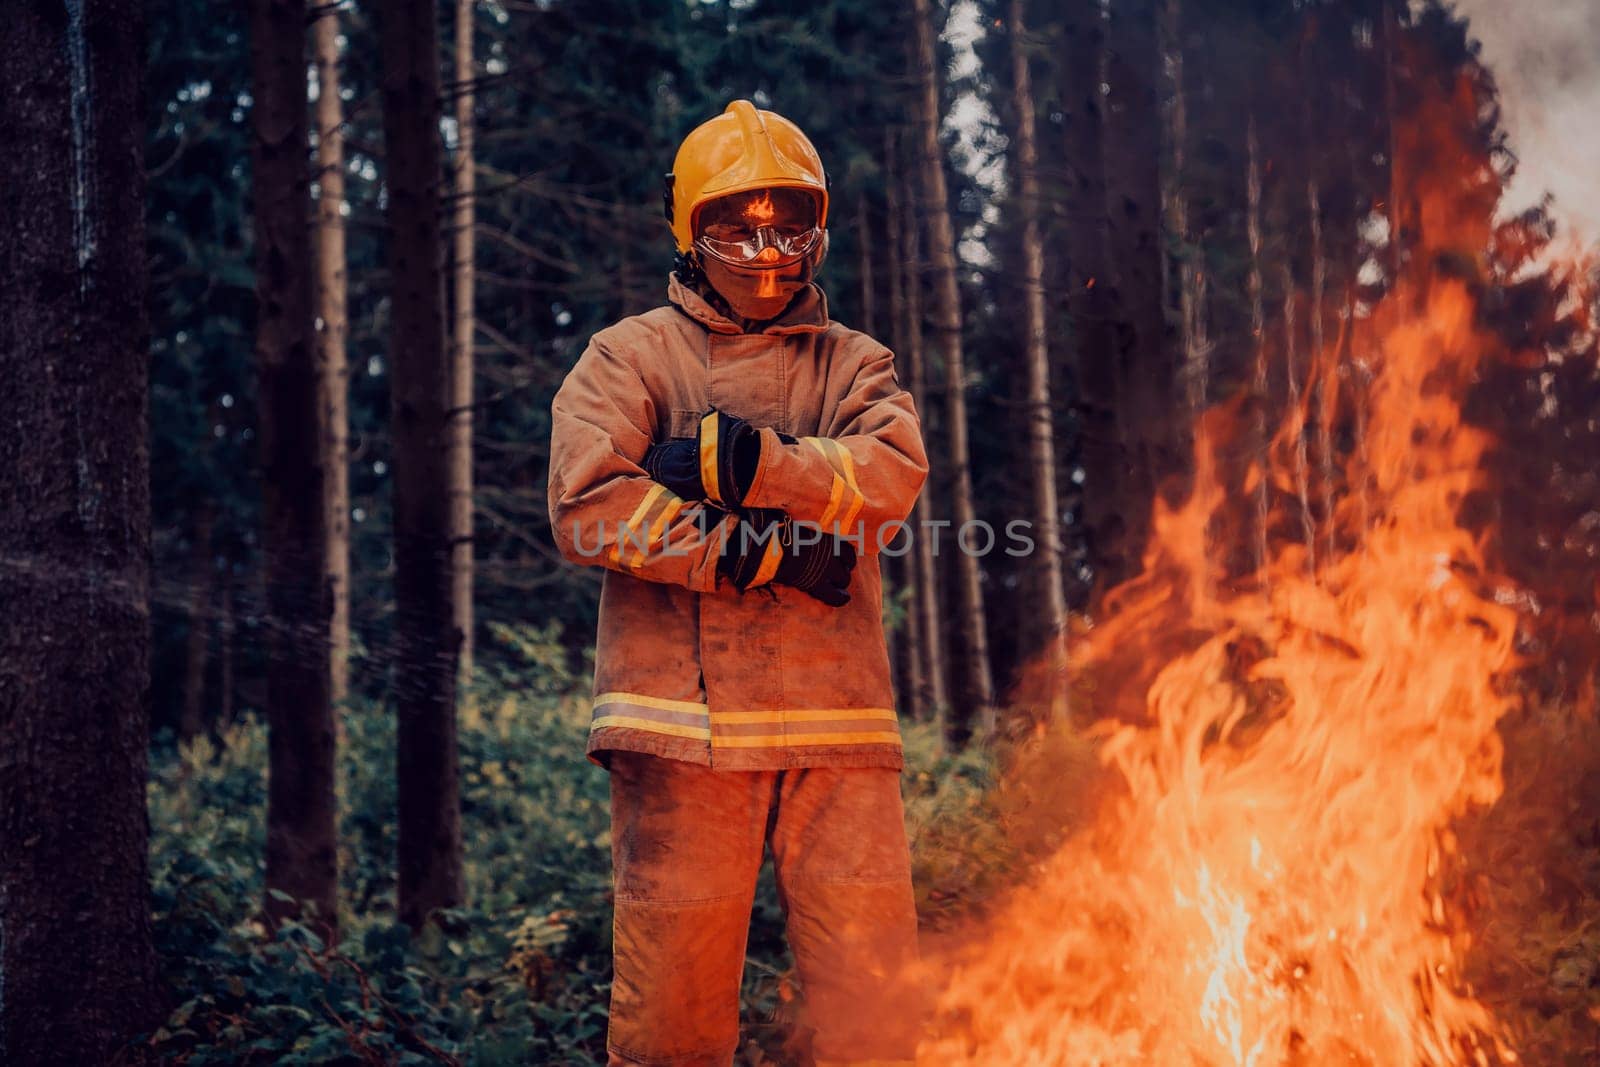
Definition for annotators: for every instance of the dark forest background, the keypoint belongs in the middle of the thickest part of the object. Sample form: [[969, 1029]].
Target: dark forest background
[[364, 284]]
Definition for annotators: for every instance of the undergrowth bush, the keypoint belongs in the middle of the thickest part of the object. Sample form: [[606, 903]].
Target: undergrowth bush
[[520, 975]]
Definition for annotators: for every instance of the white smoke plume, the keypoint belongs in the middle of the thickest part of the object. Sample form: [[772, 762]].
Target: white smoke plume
[[1545, 55]]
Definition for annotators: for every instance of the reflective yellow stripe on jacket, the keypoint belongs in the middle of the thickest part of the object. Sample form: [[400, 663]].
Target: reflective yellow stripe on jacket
[[845, 499], [767, 728], [653, 516], [678, 718]]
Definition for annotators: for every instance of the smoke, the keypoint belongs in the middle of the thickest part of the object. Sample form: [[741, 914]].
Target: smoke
[[1545, 55]]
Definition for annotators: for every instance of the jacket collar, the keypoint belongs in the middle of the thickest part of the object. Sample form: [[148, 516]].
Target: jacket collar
[[808, 313]]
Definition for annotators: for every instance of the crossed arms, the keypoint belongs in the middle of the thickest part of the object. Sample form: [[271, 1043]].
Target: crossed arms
[[607, 510]]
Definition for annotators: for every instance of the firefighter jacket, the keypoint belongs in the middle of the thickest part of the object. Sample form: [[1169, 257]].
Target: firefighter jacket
[[687, 666]]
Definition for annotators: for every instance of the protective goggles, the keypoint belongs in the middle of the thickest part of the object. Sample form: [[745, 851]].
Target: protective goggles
[[763, 228]]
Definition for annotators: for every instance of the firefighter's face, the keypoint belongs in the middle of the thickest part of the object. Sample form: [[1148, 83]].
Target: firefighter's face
[[759, 248]]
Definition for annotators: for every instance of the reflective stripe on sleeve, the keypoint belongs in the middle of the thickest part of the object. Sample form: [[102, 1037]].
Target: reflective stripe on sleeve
[[659, 519], [772, 555], [844, 492], [623, 539], [708, 458], [847, 463], [653, 516]]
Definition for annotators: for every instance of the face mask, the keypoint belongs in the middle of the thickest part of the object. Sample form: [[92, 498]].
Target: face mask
[[757, 295]]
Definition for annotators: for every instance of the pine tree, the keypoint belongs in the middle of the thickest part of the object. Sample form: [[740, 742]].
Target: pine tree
[[976, 712], [78, 975], [302, 843], [1041, 429], [427, 641], [463, 246], [333, 330]]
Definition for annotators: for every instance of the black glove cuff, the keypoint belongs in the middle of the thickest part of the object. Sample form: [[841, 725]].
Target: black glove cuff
[[743, 452], [751, 539]]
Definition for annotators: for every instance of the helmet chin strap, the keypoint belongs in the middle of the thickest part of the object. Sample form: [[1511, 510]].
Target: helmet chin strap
[[686, 265]]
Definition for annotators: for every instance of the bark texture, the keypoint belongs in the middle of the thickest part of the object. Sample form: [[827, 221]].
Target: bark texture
[[912, 657], [302, 842], [197, 645], [1041, 428], [1111, 503], [426, 638], [976, 711], [935, 668], [1255, 284], [332, 337], [77, 969], [1196, 346], [464, 211], [1145, 367]]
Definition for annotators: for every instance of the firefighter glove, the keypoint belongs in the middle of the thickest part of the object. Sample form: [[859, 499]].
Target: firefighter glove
[[769, 547], [718, 464]]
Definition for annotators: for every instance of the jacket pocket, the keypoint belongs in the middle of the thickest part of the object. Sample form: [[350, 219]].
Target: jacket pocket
[[683, 423]]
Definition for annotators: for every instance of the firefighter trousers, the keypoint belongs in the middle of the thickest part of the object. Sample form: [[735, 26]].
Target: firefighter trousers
[[687, 845]]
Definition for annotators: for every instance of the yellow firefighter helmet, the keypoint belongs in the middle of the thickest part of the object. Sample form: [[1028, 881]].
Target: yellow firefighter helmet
[[741, 149]]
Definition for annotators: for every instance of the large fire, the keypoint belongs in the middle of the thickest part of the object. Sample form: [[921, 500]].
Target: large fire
[[1264, 883]]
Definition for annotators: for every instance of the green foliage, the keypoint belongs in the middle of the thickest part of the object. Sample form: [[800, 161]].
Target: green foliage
[[959, 851], [521, 974], [516, 977]]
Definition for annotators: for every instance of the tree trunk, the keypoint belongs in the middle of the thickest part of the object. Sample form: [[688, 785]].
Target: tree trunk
[[1041, 430], [1191, 278], [1145, 367], [191, 720], [1112, 505], [426, 638], [1322, 382], [976, 715], [302, 842], [77, 968], [891, 572], [461, 355], [1387, 25], [225, 656], [1258, 336], [332, 336], [1195, 372], [911, 652], [1356, 373], [934, 668], [1302, 467], [869, 309]]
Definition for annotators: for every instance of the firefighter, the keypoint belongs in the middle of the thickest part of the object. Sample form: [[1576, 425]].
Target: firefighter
[[736, 461]]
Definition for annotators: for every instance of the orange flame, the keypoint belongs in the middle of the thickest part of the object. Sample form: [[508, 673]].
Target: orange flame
[[1265, 885], [761, 209], [1263, 879]]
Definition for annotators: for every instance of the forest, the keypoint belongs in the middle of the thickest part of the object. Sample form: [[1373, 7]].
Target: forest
[[1280, 746]]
